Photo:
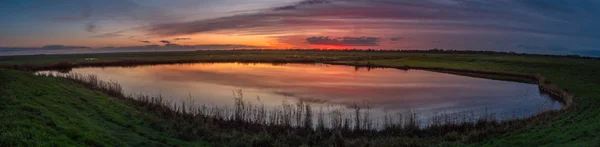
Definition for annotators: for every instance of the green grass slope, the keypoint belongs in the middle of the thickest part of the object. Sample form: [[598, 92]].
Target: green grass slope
[[46, 111], [581, 77], [40, 111]]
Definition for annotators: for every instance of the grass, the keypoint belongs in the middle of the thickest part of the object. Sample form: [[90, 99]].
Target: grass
[[577, 126], [35, 62], [42, 111], [195, 122]]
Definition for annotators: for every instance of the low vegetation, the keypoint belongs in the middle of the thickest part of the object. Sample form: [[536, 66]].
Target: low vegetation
[[41, 111], [251, 124]]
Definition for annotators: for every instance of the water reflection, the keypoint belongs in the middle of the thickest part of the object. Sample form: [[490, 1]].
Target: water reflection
[[331, 85]]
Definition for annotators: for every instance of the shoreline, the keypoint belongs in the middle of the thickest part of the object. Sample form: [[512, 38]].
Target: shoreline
[[543, 83], [455, 64]]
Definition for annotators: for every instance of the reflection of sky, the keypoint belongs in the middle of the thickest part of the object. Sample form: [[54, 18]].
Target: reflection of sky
[[391, 89]]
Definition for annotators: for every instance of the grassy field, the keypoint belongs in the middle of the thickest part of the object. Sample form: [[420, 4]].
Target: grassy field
[[158, 57], [578, 127], [59, 112], [41, 111]]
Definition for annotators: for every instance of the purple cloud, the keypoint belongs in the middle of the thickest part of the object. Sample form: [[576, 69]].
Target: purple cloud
[[344, 41], [440, 16]]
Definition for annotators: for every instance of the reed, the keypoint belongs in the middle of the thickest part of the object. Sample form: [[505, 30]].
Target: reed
[[294, 122]]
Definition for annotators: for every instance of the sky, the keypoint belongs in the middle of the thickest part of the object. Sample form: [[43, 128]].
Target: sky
[[72, 26]]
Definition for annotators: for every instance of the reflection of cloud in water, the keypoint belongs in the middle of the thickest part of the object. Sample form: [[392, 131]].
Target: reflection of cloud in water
[[338, 85], [230, 79], [342, 85]]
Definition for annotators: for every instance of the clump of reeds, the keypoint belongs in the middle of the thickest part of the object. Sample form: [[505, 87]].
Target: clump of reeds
[[111, 88], [297, 120]]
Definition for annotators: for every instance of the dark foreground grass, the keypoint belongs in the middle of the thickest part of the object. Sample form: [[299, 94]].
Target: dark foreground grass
[[41, 111], [577, 126]]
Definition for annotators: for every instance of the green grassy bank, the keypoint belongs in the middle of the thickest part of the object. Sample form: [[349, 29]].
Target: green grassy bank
[[47, 111], [578, 127], [40, 111]]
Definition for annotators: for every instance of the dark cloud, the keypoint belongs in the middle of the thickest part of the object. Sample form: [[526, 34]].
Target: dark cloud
[[459, 15], [91, 27], [289, 7], [110, 35], [182, 39], [165, 42], [486, 24], [314, 2], [251, 23], [397, 38], [344, 41], [300, 4], [145, 41]]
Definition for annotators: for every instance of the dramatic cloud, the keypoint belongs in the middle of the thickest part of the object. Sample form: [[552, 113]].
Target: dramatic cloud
[[250, 23], [500, 25], [457, 15], [165, 42], [300, 4], [344, 41], [177, 39]]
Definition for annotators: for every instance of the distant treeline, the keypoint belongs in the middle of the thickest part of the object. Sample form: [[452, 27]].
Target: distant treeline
[[437, 51]]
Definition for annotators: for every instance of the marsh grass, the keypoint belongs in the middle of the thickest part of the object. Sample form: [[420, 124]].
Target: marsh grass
[[298, 124]]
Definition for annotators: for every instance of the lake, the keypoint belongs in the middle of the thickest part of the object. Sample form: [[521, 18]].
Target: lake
[[328, 87]]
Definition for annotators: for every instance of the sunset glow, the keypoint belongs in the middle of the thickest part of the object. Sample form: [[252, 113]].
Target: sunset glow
[[531, 27], [382, 73]]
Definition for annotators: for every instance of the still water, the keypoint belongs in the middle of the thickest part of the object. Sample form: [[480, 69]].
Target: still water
[[331, 86]]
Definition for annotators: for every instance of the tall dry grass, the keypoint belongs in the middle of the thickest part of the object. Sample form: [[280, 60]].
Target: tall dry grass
[[299, 119]]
